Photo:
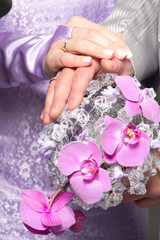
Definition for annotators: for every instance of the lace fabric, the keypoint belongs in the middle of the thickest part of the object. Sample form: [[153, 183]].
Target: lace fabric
[[22, 167], [39, 17]]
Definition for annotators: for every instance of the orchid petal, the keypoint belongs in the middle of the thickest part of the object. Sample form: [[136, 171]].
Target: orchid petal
[[110, 159], [61, 200], [96, 152], [67, 218], [111, 137], [40, 232], [90, 191], [50, 219], [31, 217], [132, 155], [144, 135], [132, 108], [128, 87], [150, 109], [108, 120], [35, 199], [104, 179], [71, 156]]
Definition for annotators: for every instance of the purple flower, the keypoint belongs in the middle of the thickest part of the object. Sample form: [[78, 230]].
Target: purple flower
[[137, 100], [40, 213], [127, 145], [46, 145], [83, 137], [80, 162], [111, 93]]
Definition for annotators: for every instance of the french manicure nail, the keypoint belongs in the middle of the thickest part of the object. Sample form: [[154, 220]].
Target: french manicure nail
[[108, 52], [121, 53], [129, 53], [86, 59]]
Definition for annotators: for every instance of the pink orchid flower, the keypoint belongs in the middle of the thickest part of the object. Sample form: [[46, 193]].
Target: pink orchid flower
[[80, 162], [127, 145], [137, 100], [43, 214], [80, 218]]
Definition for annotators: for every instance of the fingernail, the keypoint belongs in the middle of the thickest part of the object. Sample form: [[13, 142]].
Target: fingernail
[[121, 53], [108, 52], [129, 53], [86, 59]]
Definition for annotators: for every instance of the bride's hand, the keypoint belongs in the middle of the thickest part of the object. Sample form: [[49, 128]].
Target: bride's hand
[[88, 40]]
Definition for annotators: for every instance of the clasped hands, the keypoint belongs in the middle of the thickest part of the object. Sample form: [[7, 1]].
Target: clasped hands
[[92, 49]]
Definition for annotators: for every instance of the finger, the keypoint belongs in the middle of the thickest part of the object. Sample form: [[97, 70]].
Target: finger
[[45, 117], [60, 59], [78, 21], [131, 197], [84, 47], [82, 77], [121, 67], [96, 37], [120, 36], [146, 202], [62, 89]]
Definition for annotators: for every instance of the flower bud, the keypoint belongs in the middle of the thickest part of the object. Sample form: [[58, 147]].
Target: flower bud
[[80, 218]]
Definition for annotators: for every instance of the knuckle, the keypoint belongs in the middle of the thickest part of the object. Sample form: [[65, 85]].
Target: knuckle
[[74, 20], [96, 50], [82, 82], [78, 75], [92, 34], [78, 44]]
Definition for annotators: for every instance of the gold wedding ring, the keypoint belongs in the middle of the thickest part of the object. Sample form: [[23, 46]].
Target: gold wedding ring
[[53, 79], [65, 44]]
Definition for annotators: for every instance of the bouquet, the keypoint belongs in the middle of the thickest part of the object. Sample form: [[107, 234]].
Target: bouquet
[[106, 147]]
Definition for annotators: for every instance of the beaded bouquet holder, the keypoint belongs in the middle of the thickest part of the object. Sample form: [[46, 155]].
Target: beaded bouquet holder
[[106, 147]]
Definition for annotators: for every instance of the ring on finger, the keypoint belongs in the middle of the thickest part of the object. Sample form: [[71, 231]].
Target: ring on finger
[[53, 79], [65, 44]]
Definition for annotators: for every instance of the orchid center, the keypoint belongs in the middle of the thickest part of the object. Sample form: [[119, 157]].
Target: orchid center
[[89, 169], [131, 134]]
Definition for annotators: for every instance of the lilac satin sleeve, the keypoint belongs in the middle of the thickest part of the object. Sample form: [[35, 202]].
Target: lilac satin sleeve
[[22, 57]]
